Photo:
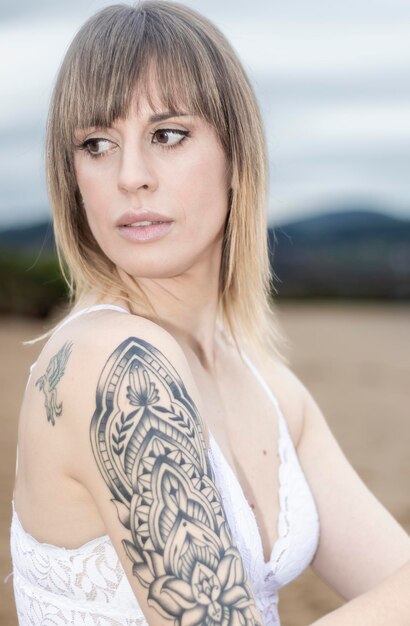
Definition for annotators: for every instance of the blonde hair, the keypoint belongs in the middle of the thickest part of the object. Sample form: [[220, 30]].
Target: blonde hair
[[113, 59]]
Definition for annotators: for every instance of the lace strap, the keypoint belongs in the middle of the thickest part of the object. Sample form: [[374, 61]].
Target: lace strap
[[84, 311], [90, 309], [285, 449]]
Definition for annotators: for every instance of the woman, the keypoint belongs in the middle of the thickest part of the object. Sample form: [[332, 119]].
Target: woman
[[158, 479]]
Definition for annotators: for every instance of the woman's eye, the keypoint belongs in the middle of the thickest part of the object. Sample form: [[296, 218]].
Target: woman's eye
[[169, 136], [97, 147]]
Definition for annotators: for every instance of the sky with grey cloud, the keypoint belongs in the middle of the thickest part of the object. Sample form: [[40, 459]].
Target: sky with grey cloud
[[332, 80]]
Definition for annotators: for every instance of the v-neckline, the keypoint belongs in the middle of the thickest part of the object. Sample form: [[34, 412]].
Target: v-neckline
[[214, 444]]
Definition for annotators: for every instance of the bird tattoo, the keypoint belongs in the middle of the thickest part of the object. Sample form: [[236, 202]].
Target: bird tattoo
[[48, 382]]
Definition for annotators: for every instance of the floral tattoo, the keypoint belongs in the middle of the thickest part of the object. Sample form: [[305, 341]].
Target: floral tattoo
[[147, 440]]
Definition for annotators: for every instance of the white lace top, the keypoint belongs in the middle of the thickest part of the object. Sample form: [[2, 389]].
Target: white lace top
[[87, 586]]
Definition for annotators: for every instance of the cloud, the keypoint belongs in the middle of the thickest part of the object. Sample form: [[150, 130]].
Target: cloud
[[315, 12], [36, 50], [331, 79], [341, 128], [297, 49]]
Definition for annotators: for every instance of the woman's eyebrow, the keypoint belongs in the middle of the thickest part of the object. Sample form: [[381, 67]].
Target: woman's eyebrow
[[160, 117], [155, 117]]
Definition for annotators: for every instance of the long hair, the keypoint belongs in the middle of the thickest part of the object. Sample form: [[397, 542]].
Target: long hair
[[113, 59]]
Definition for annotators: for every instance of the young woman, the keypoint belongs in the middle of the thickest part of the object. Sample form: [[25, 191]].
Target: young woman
[[171, 468]]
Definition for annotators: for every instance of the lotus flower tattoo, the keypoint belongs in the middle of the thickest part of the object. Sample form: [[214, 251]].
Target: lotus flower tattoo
[[147, 440]]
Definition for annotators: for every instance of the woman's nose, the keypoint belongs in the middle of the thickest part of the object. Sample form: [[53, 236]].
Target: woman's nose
[[136, 172]]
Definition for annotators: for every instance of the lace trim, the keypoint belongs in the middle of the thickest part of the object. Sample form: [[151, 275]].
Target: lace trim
[[283, 522], [89, 583], [237, 510], [247, 539], [111, 608], [299, 525], [281, 544]]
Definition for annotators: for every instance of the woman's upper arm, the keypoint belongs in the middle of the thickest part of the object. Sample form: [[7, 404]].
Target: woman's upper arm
[[360, 542], [138, 447]]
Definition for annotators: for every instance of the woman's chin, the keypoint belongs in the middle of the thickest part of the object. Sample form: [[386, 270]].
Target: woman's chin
[[151, 271]]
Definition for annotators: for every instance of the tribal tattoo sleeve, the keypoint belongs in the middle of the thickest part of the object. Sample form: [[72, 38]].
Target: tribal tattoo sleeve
[[148, 443]]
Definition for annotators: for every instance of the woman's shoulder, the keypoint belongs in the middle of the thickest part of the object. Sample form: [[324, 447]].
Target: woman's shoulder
[[87, 355], [92, 335]]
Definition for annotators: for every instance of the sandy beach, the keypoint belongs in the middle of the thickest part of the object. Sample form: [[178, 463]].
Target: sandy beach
[[354, 358]]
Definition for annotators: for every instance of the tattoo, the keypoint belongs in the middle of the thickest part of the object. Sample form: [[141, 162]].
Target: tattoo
[[148, 442], [48, 382]]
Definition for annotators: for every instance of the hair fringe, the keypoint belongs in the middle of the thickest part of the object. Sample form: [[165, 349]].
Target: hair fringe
[[112, 57]]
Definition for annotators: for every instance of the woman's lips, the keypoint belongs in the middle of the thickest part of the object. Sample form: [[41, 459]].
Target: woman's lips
[[142, 232], [141, 215]]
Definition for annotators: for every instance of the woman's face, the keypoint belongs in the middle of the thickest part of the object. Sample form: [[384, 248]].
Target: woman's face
[[154, 162]]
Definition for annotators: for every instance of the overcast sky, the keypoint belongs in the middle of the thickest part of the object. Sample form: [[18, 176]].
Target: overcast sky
[[332, 78]]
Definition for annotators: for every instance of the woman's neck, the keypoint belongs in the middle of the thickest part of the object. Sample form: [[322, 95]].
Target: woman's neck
[[189, 314]]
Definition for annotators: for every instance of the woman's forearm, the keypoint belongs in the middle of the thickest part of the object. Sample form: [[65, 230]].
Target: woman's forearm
[[387, 603]]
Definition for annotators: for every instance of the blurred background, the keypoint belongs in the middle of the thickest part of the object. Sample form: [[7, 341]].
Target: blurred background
[[333, 83]]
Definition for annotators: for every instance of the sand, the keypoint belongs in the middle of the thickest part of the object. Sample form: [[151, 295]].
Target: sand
[[354, 358]]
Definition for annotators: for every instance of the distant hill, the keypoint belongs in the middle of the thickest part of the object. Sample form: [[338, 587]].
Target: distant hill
[[345, 225], [30, 278], [31, 238], [344, 253]]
